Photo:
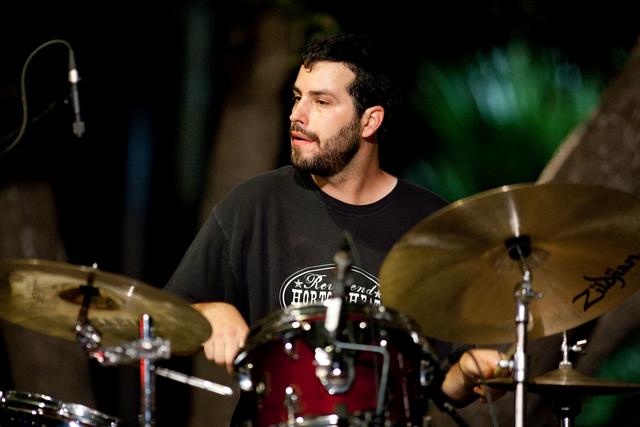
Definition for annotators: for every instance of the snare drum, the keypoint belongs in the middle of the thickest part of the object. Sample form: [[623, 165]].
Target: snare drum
[[19, 409], [296, 382]]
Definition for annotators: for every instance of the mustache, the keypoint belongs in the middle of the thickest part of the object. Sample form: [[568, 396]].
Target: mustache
[[297, 127]]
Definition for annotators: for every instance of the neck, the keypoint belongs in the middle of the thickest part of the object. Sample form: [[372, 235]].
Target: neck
[[362, 182]]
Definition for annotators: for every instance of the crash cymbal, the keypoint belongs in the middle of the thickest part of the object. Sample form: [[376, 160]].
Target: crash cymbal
[[454, 274], [567, 380], [44, 296]]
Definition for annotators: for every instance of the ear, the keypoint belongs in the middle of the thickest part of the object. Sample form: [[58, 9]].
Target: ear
[[371, 120]]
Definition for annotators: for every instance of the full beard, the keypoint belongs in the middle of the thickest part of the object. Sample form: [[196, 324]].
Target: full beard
[[335, 153]]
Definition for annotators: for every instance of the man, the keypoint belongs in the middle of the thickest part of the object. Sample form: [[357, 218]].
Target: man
[[270, 243]]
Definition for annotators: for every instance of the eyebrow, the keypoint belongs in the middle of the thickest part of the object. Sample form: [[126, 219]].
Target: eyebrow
[[315, 92]]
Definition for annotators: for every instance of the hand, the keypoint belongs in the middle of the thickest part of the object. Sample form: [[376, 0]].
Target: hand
[[461, 382], [229, 332]]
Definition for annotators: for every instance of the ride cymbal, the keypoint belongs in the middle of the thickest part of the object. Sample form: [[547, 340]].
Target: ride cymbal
[[455, 272], [45, 296]]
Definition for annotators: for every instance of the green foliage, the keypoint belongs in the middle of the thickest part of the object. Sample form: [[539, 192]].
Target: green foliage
[[615, 410], [497, 117]]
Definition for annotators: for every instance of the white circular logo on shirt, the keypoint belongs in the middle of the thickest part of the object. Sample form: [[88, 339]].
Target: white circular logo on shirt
[[313, 285]]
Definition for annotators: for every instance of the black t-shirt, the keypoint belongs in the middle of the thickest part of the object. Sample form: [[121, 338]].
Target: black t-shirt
[[270, 243]]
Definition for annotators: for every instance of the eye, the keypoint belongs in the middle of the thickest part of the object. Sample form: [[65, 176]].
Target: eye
[[295, 99], [322, 102]]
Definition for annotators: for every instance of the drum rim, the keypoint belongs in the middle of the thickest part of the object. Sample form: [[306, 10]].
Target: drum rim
[[323, 421], [306, 311], [56, 409], [279, 321]]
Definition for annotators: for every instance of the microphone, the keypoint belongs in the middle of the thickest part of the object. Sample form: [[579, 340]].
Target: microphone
[[74, 78], [344, 261], [335, 372]]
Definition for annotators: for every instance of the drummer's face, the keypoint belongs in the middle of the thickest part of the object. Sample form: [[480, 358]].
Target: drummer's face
[[325, 132]]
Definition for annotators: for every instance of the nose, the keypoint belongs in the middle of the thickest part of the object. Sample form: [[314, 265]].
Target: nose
[[299, 112]]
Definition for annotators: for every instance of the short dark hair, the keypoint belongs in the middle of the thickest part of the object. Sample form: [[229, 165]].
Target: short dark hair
[[373, 83]]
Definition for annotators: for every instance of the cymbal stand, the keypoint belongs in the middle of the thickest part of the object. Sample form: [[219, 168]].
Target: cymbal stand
[[519, 248], [568, 406], [146, 350], [86, 334], [565, 349], [147, 377]]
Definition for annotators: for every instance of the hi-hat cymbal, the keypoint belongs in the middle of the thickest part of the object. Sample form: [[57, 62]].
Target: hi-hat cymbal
[[454, 275], [568, 381], [44, 296]]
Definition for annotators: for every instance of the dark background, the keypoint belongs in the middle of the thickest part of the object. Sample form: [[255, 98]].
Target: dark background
[[118, 203], [131, 61]]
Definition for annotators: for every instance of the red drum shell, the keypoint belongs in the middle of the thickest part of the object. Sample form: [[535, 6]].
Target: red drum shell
[[280, 353]]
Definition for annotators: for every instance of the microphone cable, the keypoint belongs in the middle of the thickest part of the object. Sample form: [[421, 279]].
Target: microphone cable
[[23, 93]]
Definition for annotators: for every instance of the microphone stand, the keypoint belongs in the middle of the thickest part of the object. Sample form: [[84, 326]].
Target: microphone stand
[[335, 311], [330, 369], [334, 373]]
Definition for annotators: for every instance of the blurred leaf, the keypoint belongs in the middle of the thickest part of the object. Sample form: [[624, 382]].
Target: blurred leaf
[[498, 117]]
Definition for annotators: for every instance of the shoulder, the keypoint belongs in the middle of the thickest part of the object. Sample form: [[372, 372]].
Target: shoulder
[[418, 194], [262, 185], [284, 175], [412, 203], [258, 193]]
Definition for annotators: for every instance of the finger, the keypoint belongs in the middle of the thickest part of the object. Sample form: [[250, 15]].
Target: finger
[[219, 348], [482, 392], [242, 337], [209, 349], [231, 350]]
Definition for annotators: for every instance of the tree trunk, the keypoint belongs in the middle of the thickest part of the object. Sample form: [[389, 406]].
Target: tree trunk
[[250, 133], [248, 142], [606, 149]]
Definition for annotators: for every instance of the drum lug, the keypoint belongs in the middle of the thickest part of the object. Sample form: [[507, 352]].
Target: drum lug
[[289, 347], [245, 382], [431, 375], [291, 403], [335, 372], [426, 373]]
